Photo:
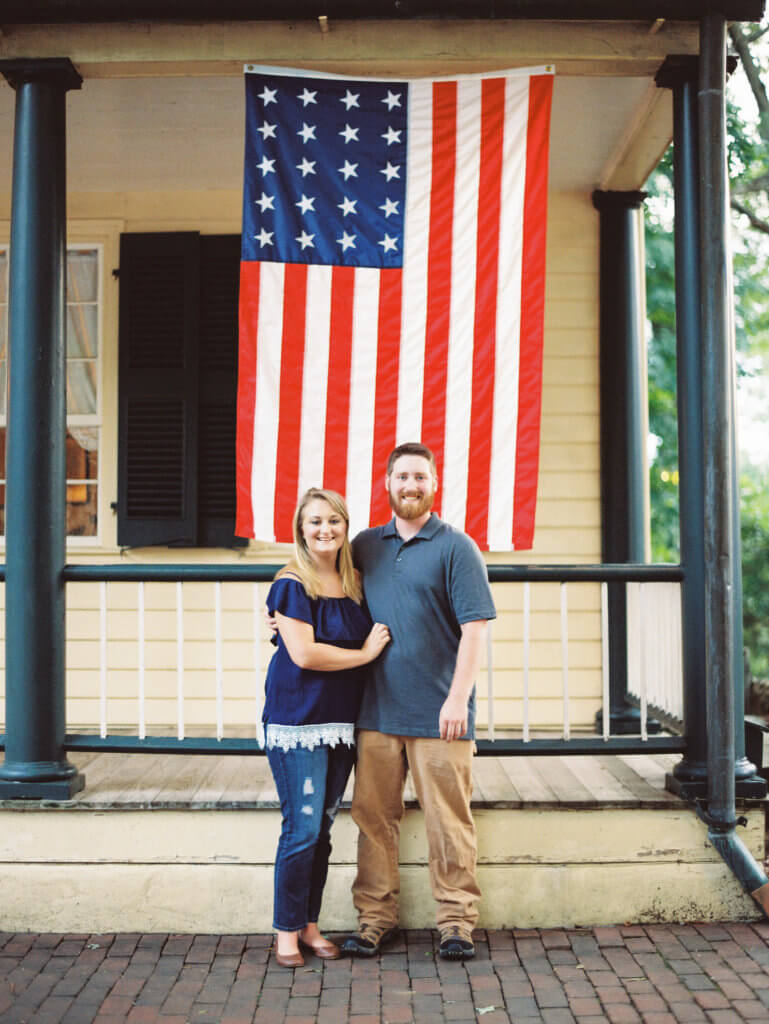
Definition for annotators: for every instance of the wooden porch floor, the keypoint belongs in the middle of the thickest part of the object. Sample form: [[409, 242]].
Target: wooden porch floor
[[209, 782]]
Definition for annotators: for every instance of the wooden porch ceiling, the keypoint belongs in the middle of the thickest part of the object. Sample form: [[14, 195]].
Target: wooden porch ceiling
[[161, 108], [38, 11]]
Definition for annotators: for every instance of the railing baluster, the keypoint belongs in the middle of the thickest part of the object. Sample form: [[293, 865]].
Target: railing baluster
[[644, 660], [605, 694], [179, 660], [103, 659], [219, 672], [142, 716], [490, 678], [258, 686], [565, 660], [526, 635]]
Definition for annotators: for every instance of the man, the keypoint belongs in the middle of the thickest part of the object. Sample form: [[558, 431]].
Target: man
[[428, 582]]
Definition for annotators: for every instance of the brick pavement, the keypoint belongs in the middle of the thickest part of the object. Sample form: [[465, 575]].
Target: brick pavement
[[651, 974]]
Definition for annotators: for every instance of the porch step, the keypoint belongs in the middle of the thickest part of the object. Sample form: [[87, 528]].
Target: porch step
[[186, 844]]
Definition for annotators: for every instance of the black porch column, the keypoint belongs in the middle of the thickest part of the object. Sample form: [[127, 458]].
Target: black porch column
[[680, 74], [729, 771], [689, 777], [35, 764], [623, 419]]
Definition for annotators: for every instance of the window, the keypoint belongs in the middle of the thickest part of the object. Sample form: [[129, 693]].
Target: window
[[177, 389], [83, 404]]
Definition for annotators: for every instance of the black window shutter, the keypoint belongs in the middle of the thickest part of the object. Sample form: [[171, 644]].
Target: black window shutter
[[158, 388], [219, 282]]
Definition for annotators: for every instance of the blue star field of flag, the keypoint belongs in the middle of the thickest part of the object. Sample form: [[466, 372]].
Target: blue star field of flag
[[325, 171]]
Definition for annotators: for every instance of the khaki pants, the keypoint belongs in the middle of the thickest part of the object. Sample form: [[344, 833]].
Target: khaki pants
[[442, 774]]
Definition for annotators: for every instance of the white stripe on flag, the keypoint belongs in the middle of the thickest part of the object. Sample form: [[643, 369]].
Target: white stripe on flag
[[360, 438], [416, 240], [459, 390], [315, 377], [505, 423], [269, 335]]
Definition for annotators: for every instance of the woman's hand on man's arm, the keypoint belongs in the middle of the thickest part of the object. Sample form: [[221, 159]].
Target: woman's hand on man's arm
[[307, 653]]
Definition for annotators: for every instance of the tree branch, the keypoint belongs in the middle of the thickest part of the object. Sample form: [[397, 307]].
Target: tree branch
[[753, 73], [755, 221], [751, 185]]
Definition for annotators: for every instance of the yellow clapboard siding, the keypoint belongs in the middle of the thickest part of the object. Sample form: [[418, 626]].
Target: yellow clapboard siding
[[563, 342]]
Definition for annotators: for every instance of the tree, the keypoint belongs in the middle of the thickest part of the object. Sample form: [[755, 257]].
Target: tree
[[748, 129]]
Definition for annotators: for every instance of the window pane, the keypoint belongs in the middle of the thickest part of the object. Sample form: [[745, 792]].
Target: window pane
[[82, 275], [82, 466], [3, 276], [81, 387], [2, 485], [82, 325], [3, 330], [82, 510]]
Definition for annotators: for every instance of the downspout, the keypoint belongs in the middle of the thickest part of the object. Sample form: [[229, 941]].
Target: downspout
[[719, 464]]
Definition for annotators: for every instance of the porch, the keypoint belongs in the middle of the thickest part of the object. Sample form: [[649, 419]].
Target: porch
[[185, 843]]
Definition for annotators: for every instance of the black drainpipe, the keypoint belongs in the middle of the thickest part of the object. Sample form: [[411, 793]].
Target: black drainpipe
[[721, 574]]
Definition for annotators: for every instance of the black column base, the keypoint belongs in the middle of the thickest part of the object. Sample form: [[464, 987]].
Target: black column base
[[39, 780], [749, 788], [626, 722]]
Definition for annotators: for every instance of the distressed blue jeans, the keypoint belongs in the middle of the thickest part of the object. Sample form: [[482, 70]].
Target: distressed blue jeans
[[310, 786]]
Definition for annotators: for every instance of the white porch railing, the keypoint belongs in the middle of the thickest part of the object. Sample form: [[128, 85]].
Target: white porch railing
[[654, 656]]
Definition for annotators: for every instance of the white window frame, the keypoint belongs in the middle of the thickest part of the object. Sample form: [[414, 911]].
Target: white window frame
[[91, 419]]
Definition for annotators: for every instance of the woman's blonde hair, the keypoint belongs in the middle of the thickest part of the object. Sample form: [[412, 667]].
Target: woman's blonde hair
[[302, 564]]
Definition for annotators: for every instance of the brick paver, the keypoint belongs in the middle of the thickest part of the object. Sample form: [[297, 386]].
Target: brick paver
[[654, 974]]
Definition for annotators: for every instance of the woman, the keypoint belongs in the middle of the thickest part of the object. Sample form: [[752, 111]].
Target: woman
[[313, 692]]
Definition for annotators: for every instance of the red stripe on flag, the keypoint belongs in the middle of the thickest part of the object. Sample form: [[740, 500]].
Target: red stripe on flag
[[338, 387], [484, 330], [386, 397], [532, 311], [438, 313], [290, 408], [244, 445]]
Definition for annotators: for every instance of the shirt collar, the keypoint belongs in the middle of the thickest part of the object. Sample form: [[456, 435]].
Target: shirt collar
[[427, 532]]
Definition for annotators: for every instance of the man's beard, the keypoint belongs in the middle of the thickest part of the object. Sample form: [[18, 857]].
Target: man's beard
[[411, 509]]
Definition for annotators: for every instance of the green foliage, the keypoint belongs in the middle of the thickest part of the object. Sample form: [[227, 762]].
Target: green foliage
[[755, 569], [661, 314]]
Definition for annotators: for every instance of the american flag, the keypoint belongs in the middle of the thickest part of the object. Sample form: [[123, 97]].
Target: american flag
[[392, 289]]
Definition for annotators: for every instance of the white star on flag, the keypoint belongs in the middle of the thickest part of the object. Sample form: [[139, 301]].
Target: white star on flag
[[267, 130], [306, 167], [268, 96], [348, 206], [392, 99], [350, 99], [346, 241], [388, 243], [391, 171], [266, 166], [349, 170], [307, 131], [304, 240], [390, 206], [350, 134], [266, 202], [306, 203], [307, 96], [264, 237], [391, 136]]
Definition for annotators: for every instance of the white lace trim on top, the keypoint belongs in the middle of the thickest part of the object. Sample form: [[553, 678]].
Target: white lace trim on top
[[291, 736]]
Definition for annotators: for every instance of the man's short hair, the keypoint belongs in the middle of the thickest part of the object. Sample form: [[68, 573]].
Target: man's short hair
[[412, 448]]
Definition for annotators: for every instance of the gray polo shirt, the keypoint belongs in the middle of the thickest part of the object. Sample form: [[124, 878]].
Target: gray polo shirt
[[424, 589]]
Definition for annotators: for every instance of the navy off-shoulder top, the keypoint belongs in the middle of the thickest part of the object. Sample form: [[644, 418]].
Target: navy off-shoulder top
[[306, 707]]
